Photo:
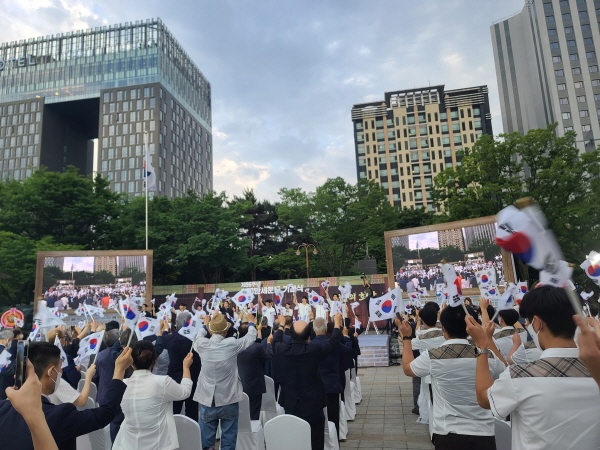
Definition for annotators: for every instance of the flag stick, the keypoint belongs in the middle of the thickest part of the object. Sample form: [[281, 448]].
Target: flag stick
[[495, 315], [146, 183], [130, 336], [465, 308], [575, 302]]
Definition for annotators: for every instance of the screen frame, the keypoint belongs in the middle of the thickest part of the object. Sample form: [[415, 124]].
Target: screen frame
[[507, 257], [41, 256]]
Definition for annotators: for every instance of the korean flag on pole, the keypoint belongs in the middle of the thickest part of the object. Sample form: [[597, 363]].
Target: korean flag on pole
[[4, 360], [315, 299], [591, 267], [384, 307], [88, 346], [190, 328], [149, 174], [131, 313], [507, 301], [278, 297], [485, 277], [63, 356], [346, 291], [243, 297], [146, 327]]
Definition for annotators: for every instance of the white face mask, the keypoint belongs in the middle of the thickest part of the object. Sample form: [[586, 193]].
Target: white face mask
[[58, 378], [534, 335]]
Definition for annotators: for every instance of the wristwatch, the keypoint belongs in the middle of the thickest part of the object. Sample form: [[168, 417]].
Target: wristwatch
[[406, 338], [481, 351]]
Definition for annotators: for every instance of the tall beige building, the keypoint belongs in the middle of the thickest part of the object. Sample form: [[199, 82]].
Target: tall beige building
[[108, 263], [451, 238], [404, 141]]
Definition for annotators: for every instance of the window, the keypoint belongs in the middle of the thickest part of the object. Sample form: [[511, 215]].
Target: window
[[571, 44], [588, 41], [594, 68], [586, 128], [597, 97], [556, 59], [559, 73], [590, 55], [595, 82], [568, 30], [581, 99], [564, 3], [584, 113], [585, 27], [548, 5], [583, 14], [561, 86], [566, 115], [567, 129], [550, 19], [566, 16], [551, 32], [576, 70], [554, 45], [578, 84], [564, 101], [573, 56]]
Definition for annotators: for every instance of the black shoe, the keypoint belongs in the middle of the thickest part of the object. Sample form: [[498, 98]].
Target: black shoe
[[415, 410]]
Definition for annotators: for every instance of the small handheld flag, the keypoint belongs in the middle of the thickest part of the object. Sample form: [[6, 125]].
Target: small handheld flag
[[591, 267]]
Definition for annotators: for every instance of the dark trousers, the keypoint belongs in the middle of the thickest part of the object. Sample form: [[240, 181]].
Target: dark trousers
[[255, 405], [191, 407], [333, 411], [317, 430], [463, 442], [416, 390]]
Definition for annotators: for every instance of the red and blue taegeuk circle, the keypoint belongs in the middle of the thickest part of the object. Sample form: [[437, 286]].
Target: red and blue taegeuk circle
[[130, 315], [593, 270], [492, 292], [143, 326], [523, 289], [242, 299], [93, 343], [187, 323], [519, 244], [484, 278], [386, 306]]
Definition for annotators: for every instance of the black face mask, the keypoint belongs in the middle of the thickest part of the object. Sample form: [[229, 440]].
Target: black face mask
[[302, 336]]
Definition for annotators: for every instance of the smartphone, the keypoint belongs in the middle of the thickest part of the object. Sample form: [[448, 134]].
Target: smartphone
[[399, 316], [21, 363]]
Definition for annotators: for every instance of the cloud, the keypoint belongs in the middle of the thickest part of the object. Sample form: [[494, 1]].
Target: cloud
[[284, 75]]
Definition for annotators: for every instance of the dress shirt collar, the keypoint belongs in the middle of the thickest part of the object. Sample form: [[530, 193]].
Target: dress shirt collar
[[216, 338], [139, 373], [506, 328], [560, 353], [456, 341]]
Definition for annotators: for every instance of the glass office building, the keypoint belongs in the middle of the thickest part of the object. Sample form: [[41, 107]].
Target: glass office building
[[96, 98]]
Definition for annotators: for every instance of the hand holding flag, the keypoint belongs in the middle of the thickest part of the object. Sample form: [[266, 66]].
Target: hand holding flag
[[146, 326], [591, 267]]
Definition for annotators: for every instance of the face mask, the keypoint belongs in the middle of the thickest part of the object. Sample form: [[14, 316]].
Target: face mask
[[534, 335], [58, 378]]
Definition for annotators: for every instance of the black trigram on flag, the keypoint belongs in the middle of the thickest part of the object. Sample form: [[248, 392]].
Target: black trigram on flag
[[378, 314], [393, 296]]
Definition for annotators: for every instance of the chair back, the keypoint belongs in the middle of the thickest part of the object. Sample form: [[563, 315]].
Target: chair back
[[289, 431], [89, 404], [244, 422], [93, 391], [503, 434], [268, 398], [188, 433]]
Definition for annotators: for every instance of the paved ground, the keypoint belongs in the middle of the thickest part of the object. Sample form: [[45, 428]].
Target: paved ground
[[383, 418]]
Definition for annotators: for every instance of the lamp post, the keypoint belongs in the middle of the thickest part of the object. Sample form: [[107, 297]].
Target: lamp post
[[306, 247]]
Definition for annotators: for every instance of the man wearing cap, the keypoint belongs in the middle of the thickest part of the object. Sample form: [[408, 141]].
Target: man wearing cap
[[219, 388]]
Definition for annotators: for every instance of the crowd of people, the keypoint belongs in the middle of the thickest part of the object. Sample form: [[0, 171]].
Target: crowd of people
[[65, 297], [536, 365]]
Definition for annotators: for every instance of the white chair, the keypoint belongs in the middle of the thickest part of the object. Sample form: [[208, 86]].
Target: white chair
[[89, 404], [188, 433], [503, 435], [349, 399], [289, 432], [80, 384], [93, 391], [331, 439], [343, 421], [251, 435], [96, 440], [269, 407]]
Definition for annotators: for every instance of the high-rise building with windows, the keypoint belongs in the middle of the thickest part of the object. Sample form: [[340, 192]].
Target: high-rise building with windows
[[404, 141], [547, 68], [105, 263], [95, 98]]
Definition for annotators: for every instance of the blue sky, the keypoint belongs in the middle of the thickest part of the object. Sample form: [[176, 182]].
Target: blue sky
[[285, 74]]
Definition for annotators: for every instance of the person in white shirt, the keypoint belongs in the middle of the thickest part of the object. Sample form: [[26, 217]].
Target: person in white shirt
[[321, 310], [148, 403], [288, 311], [523, 352], [335, 305], [267, 310], [219, 387], [457, 421], [509, 321], [427, 337], [552, 402], [303, 309]]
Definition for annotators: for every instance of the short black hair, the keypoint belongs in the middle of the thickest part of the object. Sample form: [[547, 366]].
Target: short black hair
[[143, 354], [242, 330], [429, 314], [593, 310], [304, 297], [112, 325], [433, 305], [42, 355], [453, 321], [552, 305], [510, 316], [268, 300]]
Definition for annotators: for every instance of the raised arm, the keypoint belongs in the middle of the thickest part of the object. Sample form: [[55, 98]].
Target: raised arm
[[85, 391], [250, 337]]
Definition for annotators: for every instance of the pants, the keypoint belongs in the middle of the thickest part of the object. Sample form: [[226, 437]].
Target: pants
[[463, 442], [209, 421], [255, 405], [333, 411], [416, 390], [317, 430], [191, 407]]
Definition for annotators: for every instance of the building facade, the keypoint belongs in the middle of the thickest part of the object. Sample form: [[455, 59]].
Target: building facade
[[547, 68], [451, 238], [126, 262], [99, 99], [404, 141], [479, 234], [105, 263]]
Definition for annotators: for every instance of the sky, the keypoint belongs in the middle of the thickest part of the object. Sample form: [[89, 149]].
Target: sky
[[79, 264], [423, 240], [285, 74]]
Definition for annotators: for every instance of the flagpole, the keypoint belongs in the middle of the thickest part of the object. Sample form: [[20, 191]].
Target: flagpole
[[146, 181]]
